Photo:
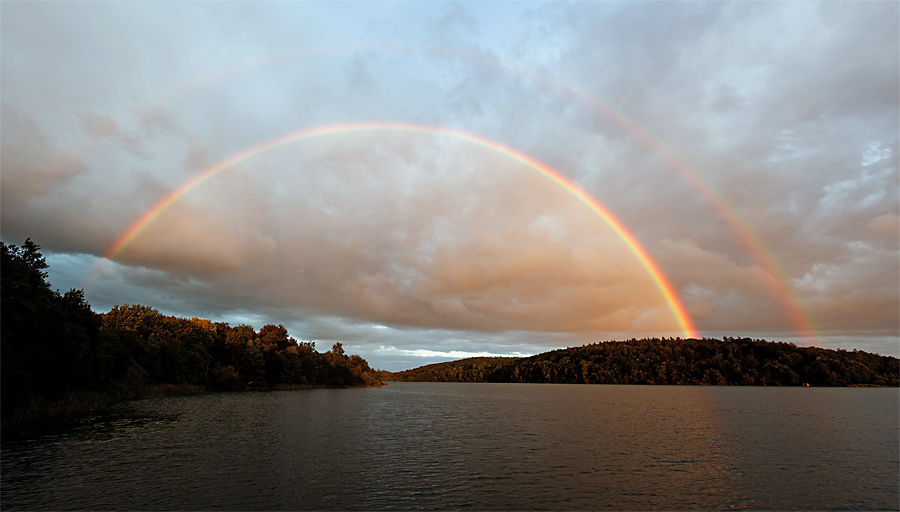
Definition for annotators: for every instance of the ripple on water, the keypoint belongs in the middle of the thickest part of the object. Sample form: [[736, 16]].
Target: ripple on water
[[470, 446]]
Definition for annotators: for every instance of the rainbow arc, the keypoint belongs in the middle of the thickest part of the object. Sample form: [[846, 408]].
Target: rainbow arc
[[662, 283]]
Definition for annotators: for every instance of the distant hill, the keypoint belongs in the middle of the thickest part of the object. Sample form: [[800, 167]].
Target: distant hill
[[473, 369], [736, 362]]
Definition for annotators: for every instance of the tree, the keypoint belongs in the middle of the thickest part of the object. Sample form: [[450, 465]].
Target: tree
[[275, 335], [51, 345]]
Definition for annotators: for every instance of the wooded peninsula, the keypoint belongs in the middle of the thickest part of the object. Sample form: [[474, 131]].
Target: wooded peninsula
[[735, 362], [59, 358]]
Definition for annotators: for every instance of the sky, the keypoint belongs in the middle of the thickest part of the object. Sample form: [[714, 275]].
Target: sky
[[427, 181]]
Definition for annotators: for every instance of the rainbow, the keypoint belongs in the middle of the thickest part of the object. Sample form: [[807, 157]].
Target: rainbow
[[799, 316], [659, 279]]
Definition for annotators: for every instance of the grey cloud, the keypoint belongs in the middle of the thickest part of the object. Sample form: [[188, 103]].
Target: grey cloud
[[33, 168], [97, 125]]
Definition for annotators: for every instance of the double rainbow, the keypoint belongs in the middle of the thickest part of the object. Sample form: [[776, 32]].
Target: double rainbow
[[752, 243], [659, 279]]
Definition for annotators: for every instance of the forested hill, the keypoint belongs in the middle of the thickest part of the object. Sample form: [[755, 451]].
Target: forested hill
[[474, 369], [742, 362], [58, 355]]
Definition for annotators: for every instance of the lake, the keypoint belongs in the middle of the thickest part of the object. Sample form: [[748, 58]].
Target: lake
[[437, 446]]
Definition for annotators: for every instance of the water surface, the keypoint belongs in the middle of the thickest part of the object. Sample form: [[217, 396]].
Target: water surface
[[438, 446]]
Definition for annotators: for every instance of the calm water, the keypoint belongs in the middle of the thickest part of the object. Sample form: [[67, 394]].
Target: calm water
[[472, 446]]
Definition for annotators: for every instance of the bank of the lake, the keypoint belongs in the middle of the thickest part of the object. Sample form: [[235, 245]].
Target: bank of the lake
[[60, 359]]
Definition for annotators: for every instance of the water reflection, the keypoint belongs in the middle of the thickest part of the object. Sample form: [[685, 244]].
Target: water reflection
[[825, 448], [477, 446]]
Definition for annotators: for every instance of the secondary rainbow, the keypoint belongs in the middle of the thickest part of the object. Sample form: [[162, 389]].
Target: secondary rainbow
[[659, 279], [801, 318]]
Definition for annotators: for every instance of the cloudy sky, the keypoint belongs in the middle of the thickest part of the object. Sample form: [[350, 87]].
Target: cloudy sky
[[748, 150]]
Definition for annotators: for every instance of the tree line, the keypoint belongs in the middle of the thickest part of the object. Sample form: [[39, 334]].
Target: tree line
[[56, 351], [730, 361]]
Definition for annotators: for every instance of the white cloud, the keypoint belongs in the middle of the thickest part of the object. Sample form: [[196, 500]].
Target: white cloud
[[453, 354]]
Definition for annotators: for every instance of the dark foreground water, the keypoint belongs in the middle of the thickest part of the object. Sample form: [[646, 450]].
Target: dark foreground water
[[472, 446]]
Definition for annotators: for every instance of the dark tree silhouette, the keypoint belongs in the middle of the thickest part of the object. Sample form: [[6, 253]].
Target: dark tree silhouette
[[57, 355], [675, 361]]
